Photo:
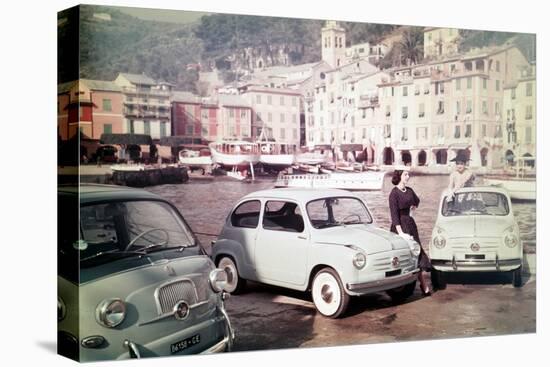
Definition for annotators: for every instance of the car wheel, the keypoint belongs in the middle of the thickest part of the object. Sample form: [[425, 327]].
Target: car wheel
[[328, 294], [438, 279], [235, 284], [402, 293], [517, 281]]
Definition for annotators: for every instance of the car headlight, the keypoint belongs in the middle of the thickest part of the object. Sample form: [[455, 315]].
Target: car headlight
[[359, 259], [510, 238], [218, 280], [439, 241], [438, 238], [415, 248], [61, 309], [111, 312]]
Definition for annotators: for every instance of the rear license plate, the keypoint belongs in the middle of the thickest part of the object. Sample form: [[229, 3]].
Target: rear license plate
[[393, 273], [474, 257], [185, 343]]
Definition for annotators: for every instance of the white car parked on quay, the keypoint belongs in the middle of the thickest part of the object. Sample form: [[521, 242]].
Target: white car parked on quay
[[476, 231], [324, 241]]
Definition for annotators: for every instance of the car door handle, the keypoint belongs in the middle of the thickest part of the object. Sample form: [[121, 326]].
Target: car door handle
[[302, 237]]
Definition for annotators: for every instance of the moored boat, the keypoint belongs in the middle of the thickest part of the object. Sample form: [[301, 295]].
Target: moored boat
[[521, 183], [275, 156], [236, 153], [193, 158], [368, 180]]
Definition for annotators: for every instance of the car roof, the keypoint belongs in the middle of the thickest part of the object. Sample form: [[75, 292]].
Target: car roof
[[89, 193], [298, 194], [487, 188]]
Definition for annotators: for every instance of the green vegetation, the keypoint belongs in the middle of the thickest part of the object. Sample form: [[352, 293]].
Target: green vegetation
[[165, 50]]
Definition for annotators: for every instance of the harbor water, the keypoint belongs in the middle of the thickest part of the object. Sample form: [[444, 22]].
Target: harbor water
[[206, 204]]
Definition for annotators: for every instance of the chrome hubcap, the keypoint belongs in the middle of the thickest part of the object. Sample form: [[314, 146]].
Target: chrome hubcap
[[326, 293]]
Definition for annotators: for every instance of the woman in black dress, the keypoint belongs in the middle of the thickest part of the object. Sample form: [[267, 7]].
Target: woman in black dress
[[402, 200]]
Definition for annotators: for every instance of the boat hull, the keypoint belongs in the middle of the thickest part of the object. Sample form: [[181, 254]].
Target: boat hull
[[277, 160], [364, 181], [518, 189], [196, 161], [233, 160]]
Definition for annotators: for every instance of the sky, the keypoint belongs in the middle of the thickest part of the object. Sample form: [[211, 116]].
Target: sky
[[163, 15]]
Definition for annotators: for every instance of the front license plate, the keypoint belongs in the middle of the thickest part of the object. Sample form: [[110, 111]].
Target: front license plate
[[393, 273], [185, 343]]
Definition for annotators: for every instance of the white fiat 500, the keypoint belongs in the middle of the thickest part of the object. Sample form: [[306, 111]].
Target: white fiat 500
[[319, 240], [476, 231]]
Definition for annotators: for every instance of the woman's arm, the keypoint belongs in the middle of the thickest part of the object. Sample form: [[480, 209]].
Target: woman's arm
[[394, 211], [416, 199]]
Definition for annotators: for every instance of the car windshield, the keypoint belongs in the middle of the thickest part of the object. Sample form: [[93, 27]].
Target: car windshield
[[337, 211], [475, 203], [118, 229]]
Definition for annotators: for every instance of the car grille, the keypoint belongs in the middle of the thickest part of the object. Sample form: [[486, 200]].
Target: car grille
[[192, 291], [465, 243], [384, 263]]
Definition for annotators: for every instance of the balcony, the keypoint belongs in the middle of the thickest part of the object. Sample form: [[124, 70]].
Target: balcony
[[148, 92]]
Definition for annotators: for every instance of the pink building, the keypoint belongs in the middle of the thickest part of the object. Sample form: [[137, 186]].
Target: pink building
[[93, 107]]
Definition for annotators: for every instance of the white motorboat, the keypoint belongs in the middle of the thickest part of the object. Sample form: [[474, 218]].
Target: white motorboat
[[236, 153], [311, 158], [193, 158], [275, 155], [519, 189], [368, 180], [521, 183]]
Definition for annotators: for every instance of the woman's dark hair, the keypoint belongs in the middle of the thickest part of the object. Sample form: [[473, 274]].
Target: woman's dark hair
[[396, 177]]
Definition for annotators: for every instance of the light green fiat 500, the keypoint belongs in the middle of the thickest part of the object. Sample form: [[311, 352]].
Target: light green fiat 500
[[476, 231], [318, 240], [133, 281]]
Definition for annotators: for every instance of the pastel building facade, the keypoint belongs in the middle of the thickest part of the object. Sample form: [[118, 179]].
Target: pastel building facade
[[437, 109], [275, 110], [92, 107], [520, 115], [147, 108]]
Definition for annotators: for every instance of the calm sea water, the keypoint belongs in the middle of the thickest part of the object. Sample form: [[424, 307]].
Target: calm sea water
[[206, 204]]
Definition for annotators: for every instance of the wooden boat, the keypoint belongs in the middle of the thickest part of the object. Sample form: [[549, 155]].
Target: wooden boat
[[236, 153], [275, 156], [193, 158]]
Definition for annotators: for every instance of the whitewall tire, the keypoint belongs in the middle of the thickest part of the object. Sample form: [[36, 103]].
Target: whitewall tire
[[328, 294], [235, 284]]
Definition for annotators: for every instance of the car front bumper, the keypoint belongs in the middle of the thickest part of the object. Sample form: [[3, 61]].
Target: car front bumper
[[160, 347], [382, 284], [476, 265]]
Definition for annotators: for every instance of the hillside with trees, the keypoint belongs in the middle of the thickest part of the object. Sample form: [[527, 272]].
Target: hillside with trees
[[98, 42]]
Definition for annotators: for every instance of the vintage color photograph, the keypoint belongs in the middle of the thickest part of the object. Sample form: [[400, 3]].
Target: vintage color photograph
[[237, 183]]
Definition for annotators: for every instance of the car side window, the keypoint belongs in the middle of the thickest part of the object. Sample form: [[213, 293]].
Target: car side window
[[283, 216], [246, 215]]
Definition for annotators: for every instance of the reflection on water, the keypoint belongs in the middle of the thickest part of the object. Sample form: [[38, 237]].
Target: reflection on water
[[205, 205]]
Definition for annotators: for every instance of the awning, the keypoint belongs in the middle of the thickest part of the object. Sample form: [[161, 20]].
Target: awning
[[351, 147], [126, 139], [178, 140], [322, 147]]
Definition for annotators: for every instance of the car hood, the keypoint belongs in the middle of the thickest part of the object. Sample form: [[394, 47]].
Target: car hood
[[475, 225], [365, 236], [139, 288]]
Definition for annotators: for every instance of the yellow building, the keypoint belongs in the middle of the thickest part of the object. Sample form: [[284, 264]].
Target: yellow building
[[519, 122], [440, 42]]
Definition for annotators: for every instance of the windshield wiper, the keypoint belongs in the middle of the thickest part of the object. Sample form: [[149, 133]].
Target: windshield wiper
[[326, 225], [161, 247], [112, 252], [352, 222]]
